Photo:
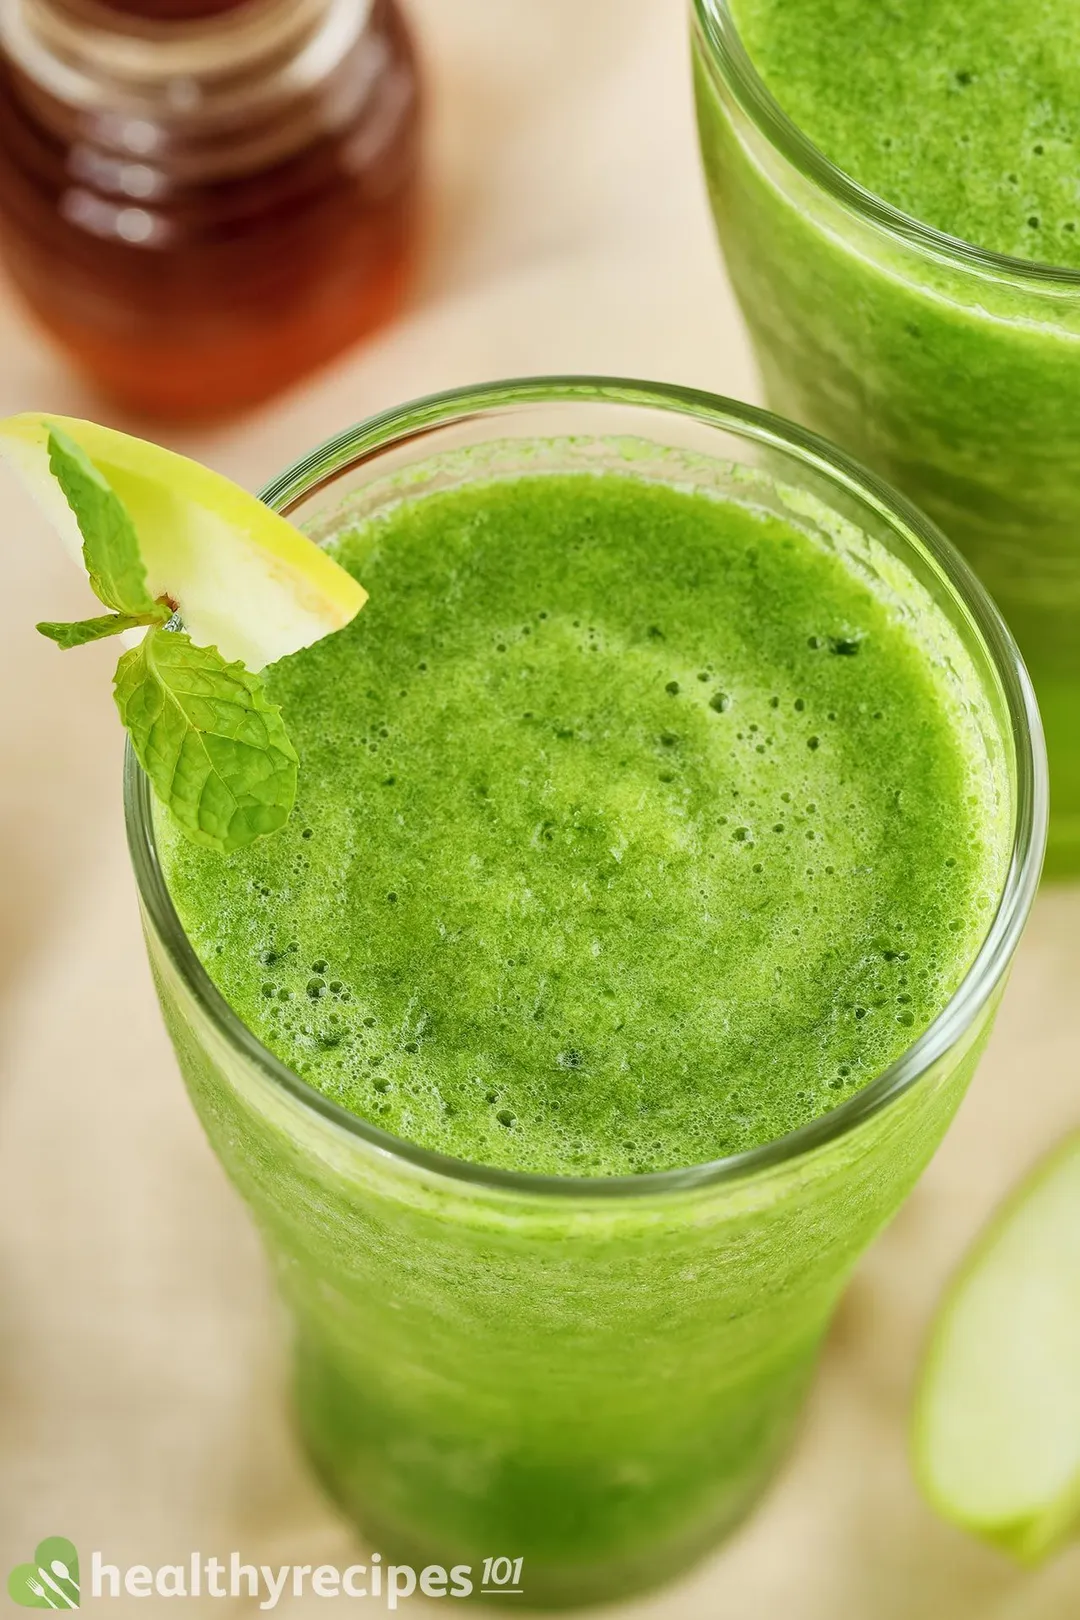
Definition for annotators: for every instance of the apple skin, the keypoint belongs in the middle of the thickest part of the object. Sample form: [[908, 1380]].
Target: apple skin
[[1037, 1528], [244, 579]]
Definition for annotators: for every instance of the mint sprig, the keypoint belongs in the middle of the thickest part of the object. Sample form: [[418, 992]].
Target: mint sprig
[[79, 631], [110, 545], [110, 550], [212, 743]]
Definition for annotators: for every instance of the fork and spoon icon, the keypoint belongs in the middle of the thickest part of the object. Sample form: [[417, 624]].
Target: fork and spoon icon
[[59, 1569]]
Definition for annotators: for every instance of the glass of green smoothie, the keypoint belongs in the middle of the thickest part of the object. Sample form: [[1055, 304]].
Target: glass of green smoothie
[[895, 194], [667, 821]]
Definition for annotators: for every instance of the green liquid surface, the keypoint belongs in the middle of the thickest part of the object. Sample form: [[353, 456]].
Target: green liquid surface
[[636, 827], [963, 113]]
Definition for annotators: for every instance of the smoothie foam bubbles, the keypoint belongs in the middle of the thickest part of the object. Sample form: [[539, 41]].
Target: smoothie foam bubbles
[[636, 826]]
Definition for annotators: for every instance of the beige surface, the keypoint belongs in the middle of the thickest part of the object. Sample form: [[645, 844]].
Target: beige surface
[[141, 1368]]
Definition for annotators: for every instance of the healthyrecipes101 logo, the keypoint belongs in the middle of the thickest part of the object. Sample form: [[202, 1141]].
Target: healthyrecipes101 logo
[[51, 1581]]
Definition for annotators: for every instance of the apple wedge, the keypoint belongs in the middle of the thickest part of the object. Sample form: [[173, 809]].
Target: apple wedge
[[244, 579], [997, 1418]]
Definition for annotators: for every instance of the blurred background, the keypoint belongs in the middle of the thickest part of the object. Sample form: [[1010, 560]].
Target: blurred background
[[556, 221]]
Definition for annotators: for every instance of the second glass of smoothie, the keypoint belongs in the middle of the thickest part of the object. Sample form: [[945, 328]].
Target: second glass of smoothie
[[895, 194], [667, 822]]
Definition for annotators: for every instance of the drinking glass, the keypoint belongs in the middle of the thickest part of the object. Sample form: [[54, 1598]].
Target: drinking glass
[[953, 372], [594, 1376]]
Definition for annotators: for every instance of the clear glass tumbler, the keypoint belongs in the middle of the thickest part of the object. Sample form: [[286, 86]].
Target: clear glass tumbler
[[954, 373], [596, 1376]]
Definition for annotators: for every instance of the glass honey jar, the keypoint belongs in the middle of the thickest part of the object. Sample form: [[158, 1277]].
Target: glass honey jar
[[203, 199]]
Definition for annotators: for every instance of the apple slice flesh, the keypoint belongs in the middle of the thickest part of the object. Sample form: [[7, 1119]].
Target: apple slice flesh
[[244, 579], [997, 1418]]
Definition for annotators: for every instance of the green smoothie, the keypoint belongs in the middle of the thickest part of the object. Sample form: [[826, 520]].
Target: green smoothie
[[963, 113], [635, 829], [954, 374], [652, 807]]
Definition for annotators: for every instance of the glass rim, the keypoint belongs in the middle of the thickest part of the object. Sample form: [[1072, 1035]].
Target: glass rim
[[727, 54], [416, 419]]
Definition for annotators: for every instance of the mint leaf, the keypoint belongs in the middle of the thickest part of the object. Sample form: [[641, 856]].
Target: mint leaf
[[79, 632], [110, 545], [213, 745]]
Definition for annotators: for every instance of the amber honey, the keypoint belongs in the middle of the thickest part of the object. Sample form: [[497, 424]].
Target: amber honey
[[201, 211]]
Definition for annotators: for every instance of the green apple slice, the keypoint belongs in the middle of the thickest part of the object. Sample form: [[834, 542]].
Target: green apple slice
[[997, 1418], [244, 580]]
